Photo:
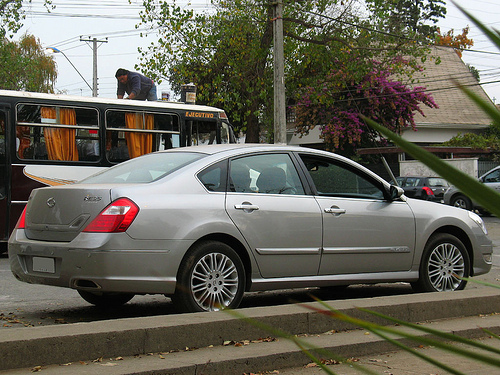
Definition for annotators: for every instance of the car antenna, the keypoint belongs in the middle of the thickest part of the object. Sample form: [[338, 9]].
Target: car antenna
[[389, 170]]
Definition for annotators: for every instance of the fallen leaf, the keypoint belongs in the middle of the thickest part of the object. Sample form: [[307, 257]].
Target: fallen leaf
[[36, 369]]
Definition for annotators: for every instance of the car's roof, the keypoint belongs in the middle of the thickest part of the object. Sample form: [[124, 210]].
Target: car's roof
[[254, 147]]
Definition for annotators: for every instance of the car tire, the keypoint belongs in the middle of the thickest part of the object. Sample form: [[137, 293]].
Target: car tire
[[462, 201], [105, 299], [210, 278], [444, 263]]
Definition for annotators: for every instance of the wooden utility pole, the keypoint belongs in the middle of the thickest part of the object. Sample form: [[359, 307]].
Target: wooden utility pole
[[279, 75]]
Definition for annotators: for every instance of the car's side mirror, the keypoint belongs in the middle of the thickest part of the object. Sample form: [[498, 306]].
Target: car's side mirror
[[395, 192]]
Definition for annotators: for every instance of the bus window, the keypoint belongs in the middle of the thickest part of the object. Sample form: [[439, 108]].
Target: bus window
[[57, 133], [132, 134], [203, 133]]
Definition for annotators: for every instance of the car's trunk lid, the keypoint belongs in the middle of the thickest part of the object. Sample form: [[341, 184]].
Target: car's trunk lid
[[60, 213]]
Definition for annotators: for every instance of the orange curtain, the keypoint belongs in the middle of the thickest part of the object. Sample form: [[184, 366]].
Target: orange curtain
[[60, 142], [139, 143]]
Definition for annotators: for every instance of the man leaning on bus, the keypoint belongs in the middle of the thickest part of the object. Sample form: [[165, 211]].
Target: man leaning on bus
[[136, 85]]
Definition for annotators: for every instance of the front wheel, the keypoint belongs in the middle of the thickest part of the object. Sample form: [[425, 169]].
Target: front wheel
[[462, 201], [211, 278], [444, 263]]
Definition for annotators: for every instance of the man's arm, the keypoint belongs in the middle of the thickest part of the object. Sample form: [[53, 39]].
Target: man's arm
[[135, 85]]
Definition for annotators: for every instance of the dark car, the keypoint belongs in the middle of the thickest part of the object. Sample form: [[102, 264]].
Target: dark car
[[427, 188]]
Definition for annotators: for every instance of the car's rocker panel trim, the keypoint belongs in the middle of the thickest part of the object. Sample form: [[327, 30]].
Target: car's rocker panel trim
[[344, 279]]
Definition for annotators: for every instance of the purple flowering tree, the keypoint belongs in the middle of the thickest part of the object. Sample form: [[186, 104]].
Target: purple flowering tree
[[336, 103]]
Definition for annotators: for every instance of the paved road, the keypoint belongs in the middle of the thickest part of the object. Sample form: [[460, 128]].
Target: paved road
[[24, 305]]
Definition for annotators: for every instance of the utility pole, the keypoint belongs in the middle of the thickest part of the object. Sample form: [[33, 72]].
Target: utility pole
[[94, 65], [279, 75]]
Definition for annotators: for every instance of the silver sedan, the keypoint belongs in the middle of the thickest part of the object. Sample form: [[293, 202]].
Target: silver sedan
[[205, 224]]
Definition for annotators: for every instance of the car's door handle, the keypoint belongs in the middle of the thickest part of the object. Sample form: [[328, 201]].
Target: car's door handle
[[335, 210], [247, 207]]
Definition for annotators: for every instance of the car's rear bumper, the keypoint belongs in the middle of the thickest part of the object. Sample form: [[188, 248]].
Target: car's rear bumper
[[98, 263]]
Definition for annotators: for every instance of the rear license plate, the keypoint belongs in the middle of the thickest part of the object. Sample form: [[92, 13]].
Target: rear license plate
[[46, 265]]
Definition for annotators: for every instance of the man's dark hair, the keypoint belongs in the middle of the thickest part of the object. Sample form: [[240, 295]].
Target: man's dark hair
[[121, 72]]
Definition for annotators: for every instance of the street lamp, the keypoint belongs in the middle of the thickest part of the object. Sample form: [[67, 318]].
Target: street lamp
[[55, 50]]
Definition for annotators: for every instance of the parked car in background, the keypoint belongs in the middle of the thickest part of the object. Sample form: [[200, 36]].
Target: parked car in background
[[427, 188], [455, 197], [205, 224]]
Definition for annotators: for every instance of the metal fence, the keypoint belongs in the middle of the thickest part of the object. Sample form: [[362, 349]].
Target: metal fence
[[484, 166]]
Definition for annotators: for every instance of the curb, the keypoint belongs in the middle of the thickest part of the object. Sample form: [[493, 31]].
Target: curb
[[42, 346]]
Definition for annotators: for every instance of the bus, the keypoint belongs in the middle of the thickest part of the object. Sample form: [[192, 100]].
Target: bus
[[48, 139]]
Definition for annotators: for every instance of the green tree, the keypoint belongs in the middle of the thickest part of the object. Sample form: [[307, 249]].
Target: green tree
[[12, 15], [227, 52], [25, 66], [487, 140]]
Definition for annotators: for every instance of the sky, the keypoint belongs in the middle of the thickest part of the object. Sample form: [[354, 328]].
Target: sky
[[114, 21]]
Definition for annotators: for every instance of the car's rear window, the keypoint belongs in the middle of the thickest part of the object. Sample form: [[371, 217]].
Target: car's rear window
[[144, 169], [436, 181]]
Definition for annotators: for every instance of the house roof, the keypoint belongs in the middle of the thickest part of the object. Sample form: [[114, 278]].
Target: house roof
[[456, 110]]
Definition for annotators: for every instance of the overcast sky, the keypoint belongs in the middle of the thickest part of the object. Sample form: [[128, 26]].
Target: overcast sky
[[116, 20]]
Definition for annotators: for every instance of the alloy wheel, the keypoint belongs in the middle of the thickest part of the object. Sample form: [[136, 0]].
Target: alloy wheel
[[214, 281], [445, 267]]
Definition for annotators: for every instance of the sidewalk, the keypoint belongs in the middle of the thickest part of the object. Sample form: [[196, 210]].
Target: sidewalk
[[216, 343]]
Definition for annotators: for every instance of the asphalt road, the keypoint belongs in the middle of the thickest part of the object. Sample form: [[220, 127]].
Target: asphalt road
[[25, 305]]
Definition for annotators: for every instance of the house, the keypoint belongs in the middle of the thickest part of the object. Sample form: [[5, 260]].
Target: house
[[457, 113]]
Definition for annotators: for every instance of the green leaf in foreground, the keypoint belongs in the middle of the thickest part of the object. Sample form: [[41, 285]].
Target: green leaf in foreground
[[482, 194]]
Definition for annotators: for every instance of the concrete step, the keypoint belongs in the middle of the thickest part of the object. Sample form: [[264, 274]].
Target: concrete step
[[157, 345]]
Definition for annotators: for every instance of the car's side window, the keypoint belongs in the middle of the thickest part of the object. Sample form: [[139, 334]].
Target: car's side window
[[264, 174], [493, 176], [213, 177], [335, 179]]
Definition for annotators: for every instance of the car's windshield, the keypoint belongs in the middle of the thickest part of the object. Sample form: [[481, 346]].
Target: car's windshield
[[144, 169]]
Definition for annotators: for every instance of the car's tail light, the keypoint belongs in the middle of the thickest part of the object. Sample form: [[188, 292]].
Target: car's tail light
[[21, 223], [116, 217], [428, 190]]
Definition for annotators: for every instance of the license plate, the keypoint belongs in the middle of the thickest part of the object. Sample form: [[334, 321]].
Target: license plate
[[46, 265]]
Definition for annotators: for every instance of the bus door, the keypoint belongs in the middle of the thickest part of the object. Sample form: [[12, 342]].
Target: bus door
[[4, 177]]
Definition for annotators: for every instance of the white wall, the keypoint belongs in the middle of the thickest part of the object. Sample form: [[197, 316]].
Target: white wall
[[416, 168]]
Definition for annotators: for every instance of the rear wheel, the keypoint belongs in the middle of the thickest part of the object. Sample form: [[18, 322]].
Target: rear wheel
[[444, 263], [105, 299], [212, 277], [462, 201]]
